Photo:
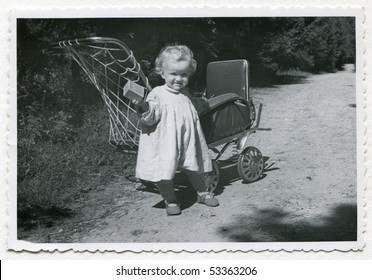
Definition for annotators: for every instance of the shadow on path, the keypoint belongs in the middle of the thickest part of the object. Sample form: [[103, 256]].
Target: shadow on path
[[272, 225], [186, 193]]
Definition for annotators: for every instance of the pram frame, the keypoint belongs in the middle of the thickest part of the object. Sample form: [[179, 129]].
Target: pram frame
[[250, 158]]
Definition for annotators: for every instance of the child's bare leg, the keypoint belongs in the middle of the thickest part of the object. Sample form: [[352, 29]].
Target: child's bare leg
[[166, 189]]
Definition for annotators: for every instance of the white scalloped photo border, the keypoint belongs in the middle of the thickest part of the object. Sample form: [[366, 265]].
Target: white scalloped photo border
[[357, 12]]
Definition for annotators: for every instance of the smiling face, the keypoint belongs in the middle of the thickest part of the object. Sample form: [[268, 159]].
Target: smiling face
[[176, 73]]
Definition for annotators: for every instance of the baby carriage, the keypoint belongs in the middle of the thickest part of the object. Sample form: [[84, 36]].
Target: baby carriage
[[228, 118]]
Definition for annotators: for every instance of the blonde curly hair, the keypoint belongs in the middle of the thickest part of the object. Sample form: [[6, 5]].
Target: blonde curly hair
[[176, 53]]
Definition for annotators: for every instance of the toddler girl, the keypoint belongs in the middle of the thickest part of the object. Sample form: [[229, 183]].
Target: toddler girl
[[171, 136]]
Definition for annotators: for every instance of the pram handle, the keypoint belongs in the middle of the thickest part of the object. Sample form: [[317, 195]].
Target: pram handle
[[259, 119], [259, 115], [221, 99], [249, 131]]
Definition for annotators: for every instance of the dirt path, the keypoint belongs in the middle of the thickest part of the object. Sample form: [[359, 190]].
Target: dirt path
[[307, 193]]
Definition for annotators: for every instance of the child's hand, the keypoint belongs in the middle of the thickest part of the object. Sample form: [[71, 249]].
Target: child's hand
[[135, 102], [141, 106]]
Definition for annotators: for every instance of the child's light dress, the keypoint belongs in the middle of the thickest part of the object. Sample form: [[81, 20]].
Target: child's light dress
[[171, 137]]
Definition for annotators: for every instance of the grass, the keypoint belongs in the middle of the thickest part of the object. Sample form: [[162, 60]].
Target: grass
[[62, 162]]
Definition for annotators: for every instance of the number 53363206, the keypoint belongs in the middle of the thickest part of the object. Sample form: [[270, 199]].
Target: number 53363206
[[217, 270]]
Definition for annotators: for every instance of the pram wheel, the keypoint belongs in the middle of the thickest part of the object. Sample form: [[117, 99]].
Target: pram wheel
[[250, 164], [212, 179]]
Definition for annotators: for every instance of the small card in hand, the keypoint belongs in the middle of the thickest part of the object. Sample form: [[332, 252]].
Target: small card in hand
[[133, 91]]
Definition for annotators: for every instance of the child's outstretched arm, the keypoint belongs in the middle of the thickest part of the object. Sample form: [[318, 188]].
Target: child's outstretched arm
[[149, 110]]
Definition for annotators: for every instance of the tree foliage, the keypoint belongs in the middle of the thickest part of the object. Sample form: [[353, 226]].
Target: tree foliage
[[269, 44], [48, 82]]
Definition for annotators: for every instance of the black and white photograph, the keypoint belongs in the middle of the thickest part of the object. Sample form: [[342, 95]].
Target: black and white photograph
[[188, 132]]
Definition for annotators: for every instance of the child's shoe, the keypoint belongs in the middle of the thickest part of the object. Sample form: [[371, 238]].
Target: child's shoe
[[207, 199], [172, 209]]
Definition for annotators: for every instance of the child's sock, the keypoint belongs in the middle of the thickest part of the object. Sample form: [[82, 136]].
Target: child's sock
[[166, 189], [197, 180]]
